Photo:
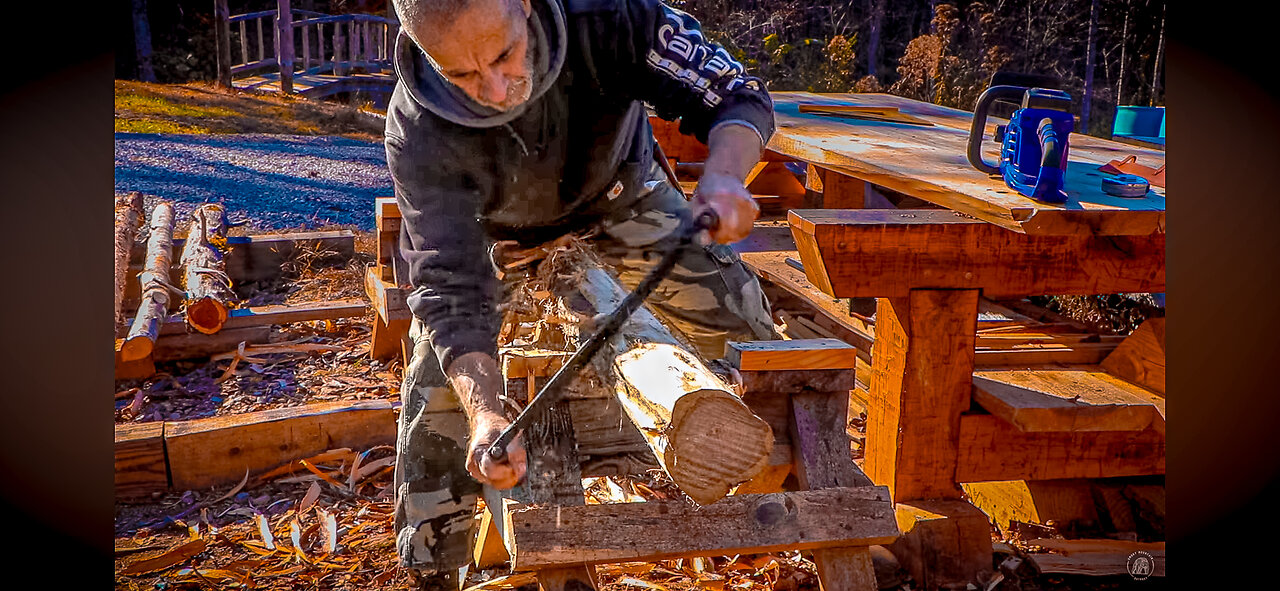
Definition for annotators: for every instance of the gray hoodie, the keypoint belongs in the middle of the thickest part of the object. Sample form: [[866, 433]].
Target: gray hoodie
[[576, 151]]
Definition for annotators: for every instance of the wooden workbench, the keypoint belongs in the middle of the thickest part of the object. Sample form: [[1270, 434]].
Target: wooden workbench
[[929, 162], [929, 269]]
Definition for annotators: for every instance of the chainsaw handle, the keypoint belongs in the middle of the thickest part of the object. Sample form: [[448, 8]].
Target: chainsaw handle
[[988, 97]]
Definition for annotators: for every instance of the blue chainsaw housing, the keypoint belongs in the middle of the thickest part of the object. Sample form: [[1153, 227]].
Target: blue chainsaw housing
[[1033, 146]]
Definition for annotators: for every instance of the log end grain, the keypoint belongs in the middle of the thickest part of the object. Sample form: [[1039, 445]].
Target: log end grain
[[715, 444], [206, 315]]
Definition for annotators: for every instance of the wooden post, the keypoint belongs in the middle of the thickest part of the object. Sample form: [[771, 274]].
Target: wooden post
[[922, 375], [244, 44], [306, 49], [340, 67], [284, 45], [262, 48], [222, 32]]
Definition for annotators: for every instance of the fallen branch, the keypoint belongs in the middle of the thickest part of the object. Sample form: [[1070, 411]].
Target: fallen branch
[[208, 288], [129, 219]]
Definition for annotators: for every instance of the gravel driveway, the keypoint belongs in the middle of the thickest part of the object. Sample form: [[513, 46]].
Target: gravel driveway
[[272, 182]]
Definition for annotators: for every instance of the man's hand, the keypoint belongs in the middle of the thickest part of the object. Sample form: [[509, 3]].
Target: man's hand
[[732, 204], [477, 381], [503, 475], [732, 152]]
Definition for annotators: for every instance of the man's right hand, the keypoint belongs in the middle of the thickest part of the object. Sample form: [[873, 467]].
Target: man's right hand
[[485, 429]]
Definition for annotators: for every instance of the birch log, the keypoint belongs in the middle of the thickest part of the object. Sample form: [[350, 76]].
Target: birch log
[[129, 218], [204, 275], [155, 287], [704, 436]]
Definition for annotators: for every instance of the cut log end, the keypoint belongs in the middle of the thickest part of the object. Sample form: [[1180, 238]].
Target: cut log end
[[136, 348], [715, 444], [206, 315]]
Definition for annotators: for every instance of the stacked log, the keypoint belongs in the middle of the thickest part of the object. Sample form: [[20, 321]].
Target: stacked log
[[129, 218], [704, 436], [154, 278], [208, 288]]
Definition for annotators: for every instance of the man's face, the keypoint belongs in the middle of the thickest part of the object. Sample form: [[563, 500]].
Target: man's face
[[485, 52]]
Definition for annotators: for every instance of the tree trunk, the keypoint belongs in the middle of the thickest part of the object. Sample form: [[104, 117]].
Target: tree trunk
[[1124, 42], [142, 41], [1091, 57], [222, 34], [284, 45], [704, 436], [1155, 72], [129, 217], [208, 289], [155, 287], [875, 19]]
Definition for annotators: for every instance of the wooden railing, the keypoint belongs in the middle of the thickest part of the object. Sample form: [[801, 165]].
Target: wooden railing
[[303, 42]]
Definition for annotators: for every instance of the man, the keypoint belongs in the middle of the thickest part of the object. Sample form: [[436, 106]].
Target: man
[[519, 122]]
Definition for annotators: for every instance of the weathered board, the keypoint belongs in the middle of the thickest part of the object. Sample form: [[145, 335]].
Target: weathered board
[[141, 467], [219, 450], [992, 449], [1141, 357], [746, 524], [796, 354]]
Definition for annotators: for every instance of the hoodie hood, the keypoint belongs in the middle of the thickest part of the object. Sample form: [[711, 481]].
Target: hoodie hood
[[548, 41]]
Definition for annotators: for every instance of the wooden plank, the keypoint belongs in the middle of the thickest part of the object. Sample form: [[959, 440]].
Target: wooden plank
[[387, 338], [489, 550], [991, 449], [928, 163], [772, 266], [217, 451], [1081, 398], [1096, 564], [887, 253], [141, 465], [746, 524], [1140, 359], [1065, 504], [389, 300], [921, 380], [196, 345], [820, 442], [797, 354], [278, 314]]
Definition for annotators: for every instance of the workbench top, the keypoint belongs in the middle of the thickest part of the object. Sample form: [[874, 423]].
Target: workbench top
[[930, 163]]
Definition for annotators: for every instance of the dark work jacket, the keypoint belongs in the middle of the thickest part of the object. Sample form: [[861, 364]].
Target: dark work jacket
[[466, 175]]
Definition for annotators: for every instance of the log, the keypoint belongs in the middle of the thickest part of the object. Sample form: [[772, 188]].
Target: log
[[204, 276], [704, 436], [129, 218], [155, 287]]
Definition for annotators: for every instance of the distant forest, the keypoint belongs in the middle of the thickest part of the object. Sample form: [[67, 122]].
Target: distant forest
[[1104, 52]]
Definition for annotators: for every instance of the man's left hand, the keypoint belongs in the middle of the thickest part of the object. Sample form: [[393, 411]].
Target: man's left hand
[[731, 202]]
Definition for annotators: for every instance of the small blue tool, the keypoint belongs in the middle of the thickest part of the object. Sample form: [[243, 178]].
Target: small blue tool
[[1033, 146]]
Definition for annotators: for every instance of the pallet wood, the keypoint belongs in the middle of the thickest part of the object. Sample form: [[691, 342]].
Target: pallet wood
[[218, 451], [655, 530], [928, 163], [705, 437], [208, 288], [1064, 504], [1058, 399], [153, 282], [797, 354], [1140, 359], [991, 449], [141, 466], [277, 314], [130, 215], [887, 253], [196, 345], [921, 380]]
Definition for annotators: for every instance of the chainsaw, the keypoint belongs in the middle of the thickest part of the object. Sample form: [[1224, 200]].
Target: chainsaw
[[1033, 146]]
